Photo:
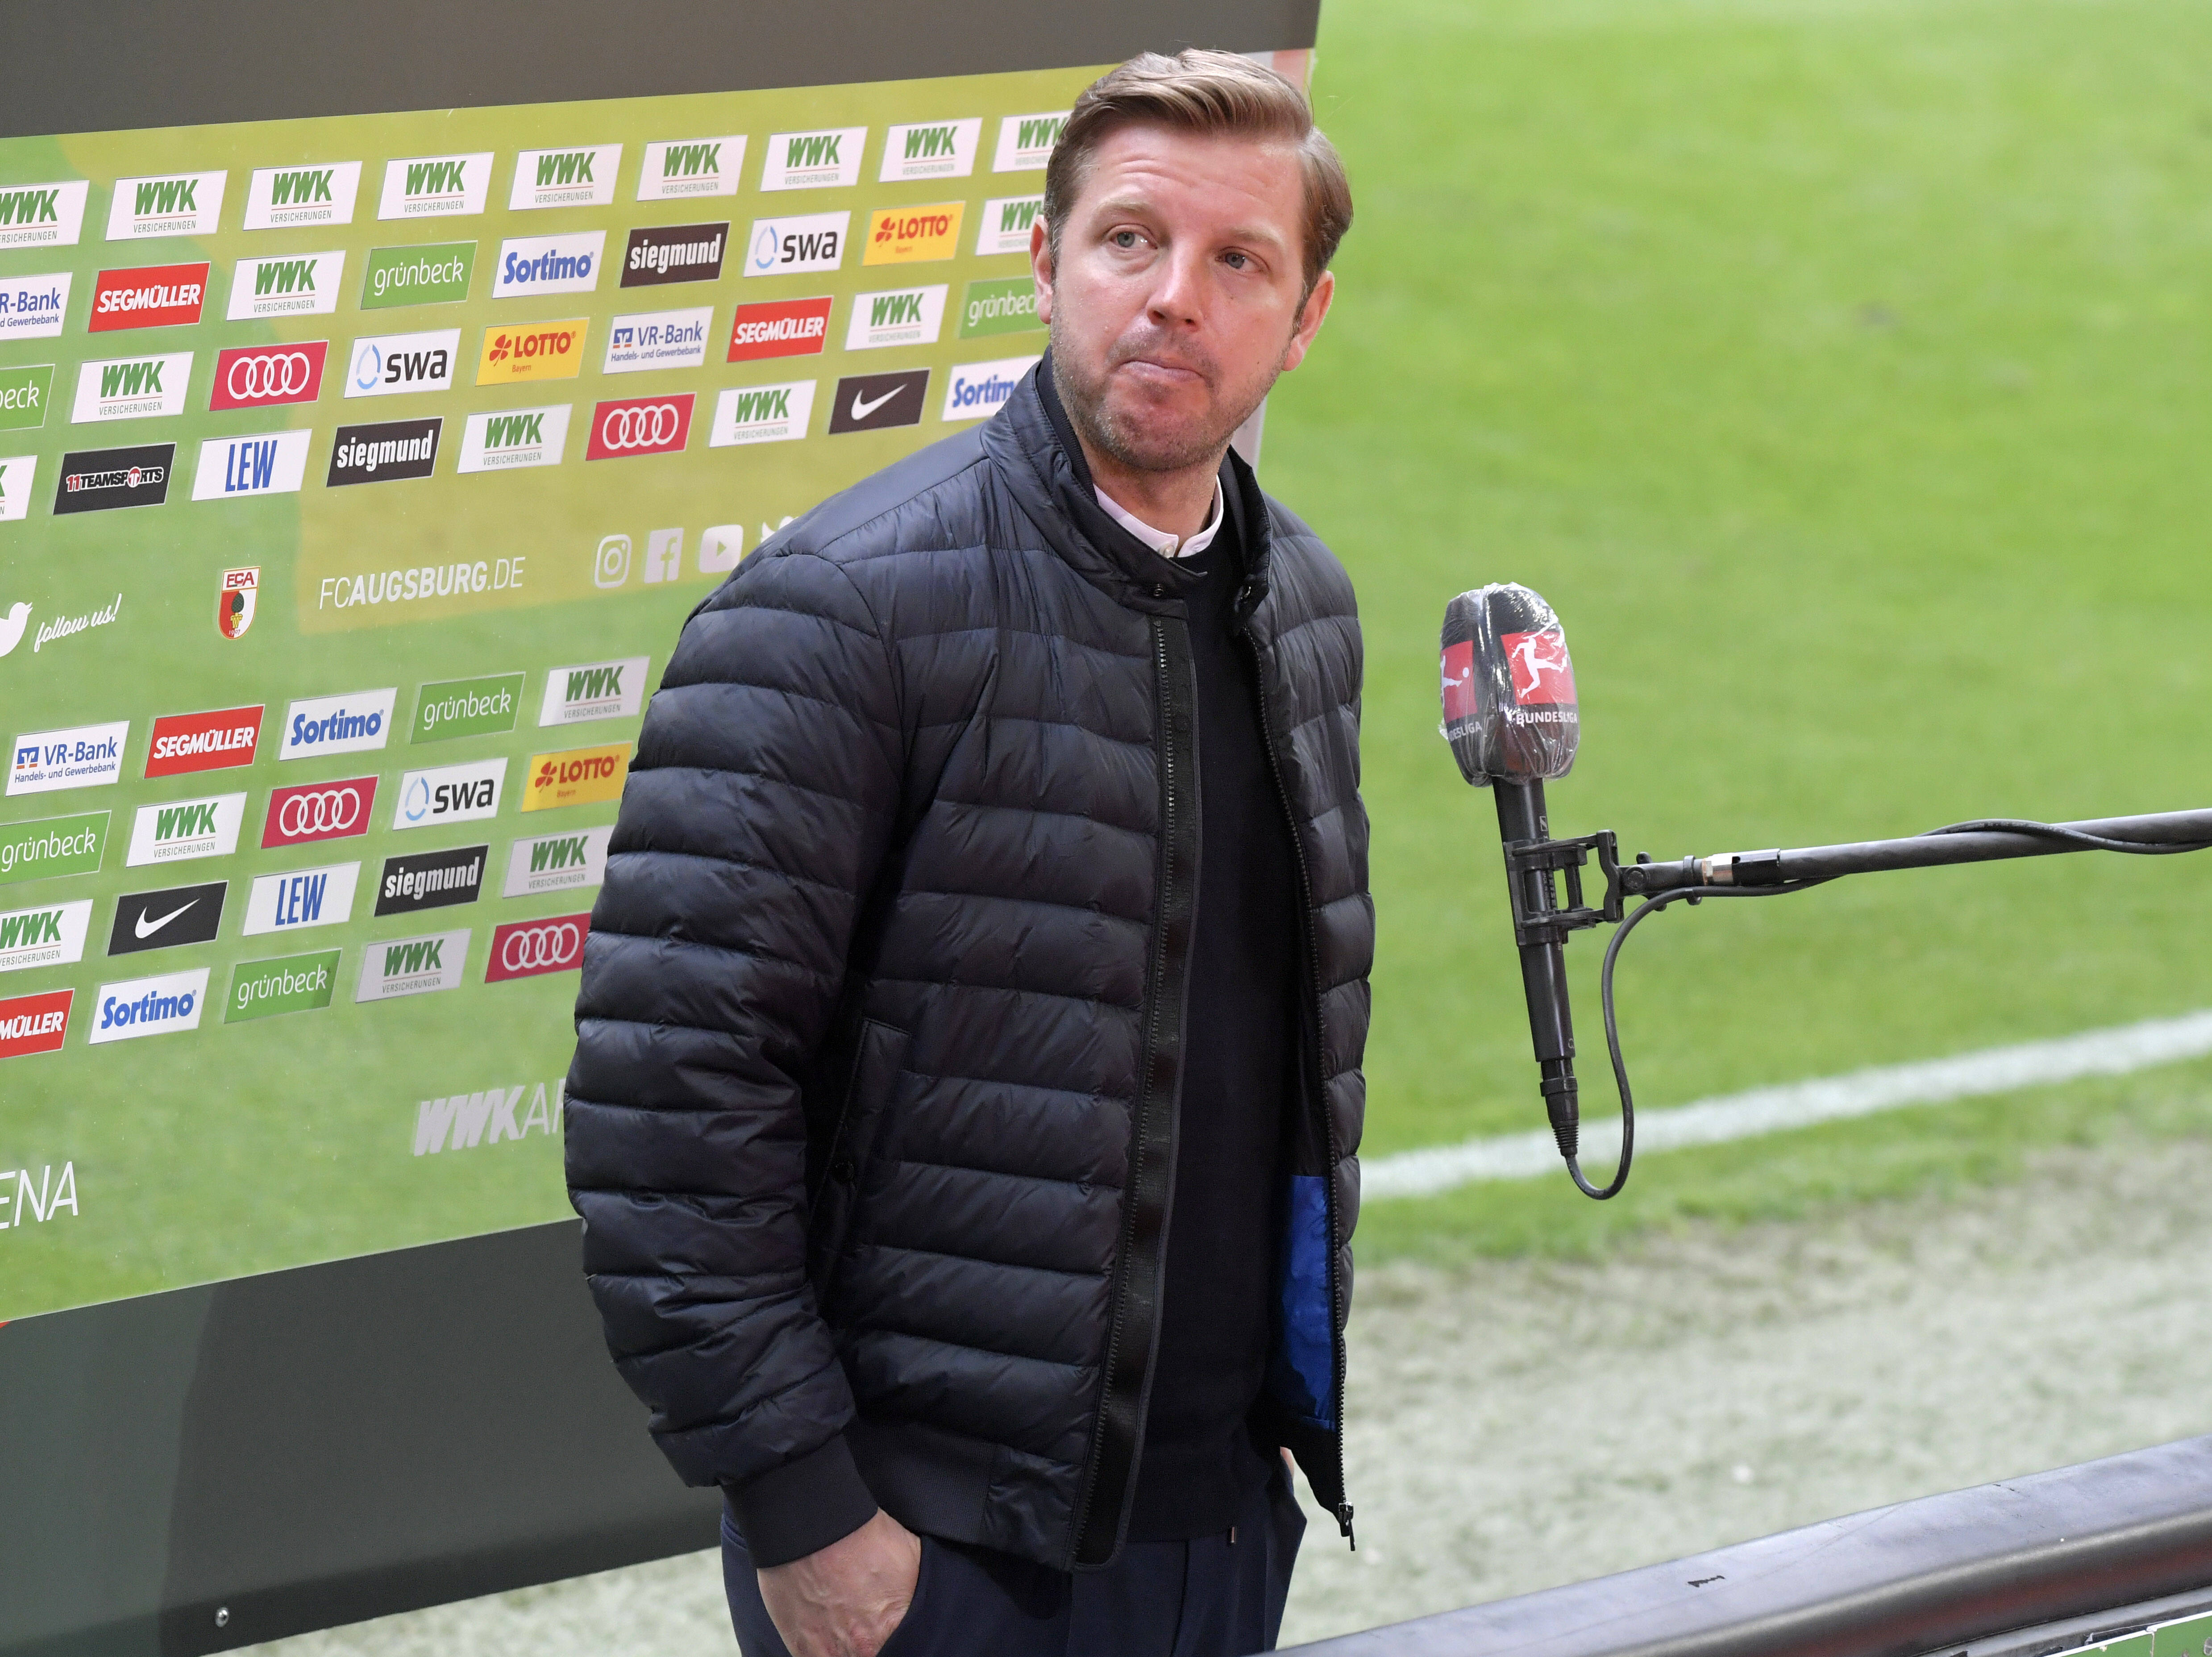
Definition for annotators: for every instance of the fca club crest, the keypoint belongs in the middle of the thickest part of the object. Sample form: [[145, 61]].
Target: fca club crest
[[233, 605]]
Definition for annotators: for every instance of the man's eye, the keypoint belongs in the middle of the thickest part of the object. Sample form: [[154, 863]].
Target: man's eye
[[1123, 238], [1236, 261]]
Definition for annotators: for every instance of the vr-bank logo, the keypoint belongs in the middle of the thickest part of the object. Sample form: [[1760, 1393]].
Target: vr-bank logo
[[164, 920], [301, 900], [761, 414], [386, 364], [31, 307], [785, 246], [132, 387], [449, 794], [904, 316], [174, 204], [387, 452], [813, 161], [432, 880], [267, 463], [657, 339], [564, 178], [464, 1121], [150, 296], [594, 690], [281, 198], [558, 862], [81, 757], [184, 830], [550, 264], [514, 438], [435, 186], [54, 936], [677, 168], [149, 1006], [263, 376], [1003, 226], [1025, 141], [42, 215], [392, 967], [977, 389], [18, 473], [98, 479], [639, 425], [674, 252], [523, 949], [931, 149], [298, 285], [308, 811], [355, 723]]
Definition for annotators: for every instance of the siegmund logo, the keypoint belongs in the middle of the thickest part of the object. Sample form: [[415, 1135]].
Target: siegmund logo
[[431, 880], [383, 452], [674, 252], [94, 480]]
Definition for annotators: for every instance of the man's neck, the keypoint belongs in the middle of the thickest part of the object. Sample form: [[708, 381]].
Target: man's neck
[[1180, 502]]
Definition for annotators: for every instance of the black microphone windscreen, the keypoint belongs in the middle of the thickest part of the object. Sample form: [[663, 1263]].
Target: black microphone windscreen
[[1508, 687]]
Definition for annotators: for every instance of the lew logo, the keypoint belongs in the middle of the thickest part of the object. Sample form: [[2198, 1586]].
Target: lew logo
[[435, 186], [303, 899], [931, 149], [813, 161], [693, 166], [272, 463], [464, 1121], [1541, 672]]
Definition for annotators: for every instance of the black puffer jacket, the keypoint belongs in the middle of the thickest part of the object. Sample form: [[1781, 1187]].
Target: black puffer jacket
[[872, 1115]]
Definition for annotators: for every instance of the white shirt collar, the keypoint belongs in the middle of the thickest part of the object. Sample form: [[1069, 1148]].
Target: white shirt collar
[[1159, 539]]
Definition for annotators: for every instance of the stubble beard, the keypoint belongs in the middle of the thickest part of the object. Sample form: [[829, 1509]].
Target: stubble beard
[[1085, 399]]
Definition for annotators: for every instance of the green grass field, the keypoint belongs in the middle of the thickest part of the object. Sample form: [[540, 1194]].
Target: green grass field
[[1838, 370]]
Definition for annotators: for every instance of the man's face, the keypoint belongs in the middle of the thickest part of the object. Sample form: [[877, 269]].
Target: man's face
[[1174, 302]]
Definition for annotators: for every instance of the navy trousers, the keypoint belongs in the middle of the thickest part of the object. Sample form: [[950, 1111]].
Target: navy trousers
[[1218, 1596]]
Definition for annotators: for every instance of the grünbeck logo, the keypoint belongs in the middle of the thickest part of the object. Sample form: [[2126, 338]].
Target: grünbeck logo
[[52, 935], [219, 740], [62, 627], [976, 389], [657, 339], [903, 316], [813, 161], [132, 387], [37, 1024], [263, 376], [166, 919], [524, 949], [639, 425], [150, 296], [467, 707], [184, 830], [550, 264], [174, 204], [300, 898], [877, 402], [42, 215], [998, 305], [267, 463], [914, 235], [295, 983], [784, 247], [392, 967], [931, 149], [1025, 141], [674, 252], [434, 879], [594, 690], [459, 1121], [99, 479], [564, 178], [283, 198], [780, 327], [421, 273], [385, 365], [449, 794], [435, 186], [354, 723], [532, 350], [576, 776], [49, 846], [307, 811], [81, 756], [149, 1006], [514, 438], [677, 167], [761, 414], [297, 284], [385, 452], [556, 862], [23, 395], [18, 473], [31, 307]]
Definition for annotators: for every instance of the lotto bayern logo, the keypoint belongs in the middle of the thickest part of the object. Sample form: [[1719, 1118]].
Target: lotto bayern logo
[[641, 425]]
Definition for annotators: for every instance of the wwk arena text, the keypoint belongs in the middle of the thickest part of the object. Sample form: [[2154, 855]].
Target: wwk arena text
[[429, 581]]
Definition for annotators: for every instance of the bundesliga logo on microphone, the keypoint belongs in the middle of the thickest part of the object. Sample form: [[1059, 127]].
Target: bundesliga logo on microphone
[[1508, 687]]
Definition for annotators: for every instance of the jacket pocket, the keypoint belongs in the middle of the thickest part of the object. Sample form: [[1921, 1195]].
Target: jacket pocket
[[876, 1061]]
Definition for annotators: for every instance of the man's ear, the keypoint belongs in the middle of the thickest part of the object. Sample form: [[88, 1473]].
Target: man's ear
[[1040, 269], [1309, 323]]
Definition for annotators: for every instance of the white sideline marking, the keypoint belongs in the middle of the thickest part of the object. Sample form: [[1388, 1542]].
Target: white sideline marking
[[2112, 1053]]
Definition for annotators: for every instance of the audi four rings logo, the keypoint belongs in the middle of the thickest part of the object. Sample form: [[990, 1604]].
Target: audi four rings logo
[[639, 425], [320, 810], [257, 376], [523, 949]]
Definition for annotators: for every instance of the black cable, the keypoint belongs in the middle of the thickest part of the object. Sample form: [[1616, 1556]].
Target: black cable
[[2069, 836]]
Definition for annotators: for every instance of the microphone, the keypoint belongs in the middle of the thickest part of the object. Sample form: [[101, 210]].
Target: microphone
[[1511, 716]]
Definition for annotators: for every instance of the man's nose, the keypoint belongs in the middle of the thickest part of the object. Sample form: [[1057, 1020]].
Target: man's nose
[[1178, 295]]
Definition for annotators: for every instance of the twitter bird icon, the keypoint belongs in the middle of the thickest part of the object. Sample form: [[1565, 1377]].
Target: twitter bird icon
[[11, 626]]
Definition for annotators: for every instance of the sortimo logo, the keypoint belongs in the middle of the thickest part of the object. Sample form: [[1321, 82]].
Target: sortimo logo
[[418, 801], [367, 366]]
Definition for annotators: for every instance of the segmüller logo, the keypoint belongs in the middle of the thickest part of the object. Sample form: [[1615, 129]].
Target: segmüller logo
[[639, 425], [262, 376], [97, 479], [216, 740], [149, 1007], [550, 264], [152, 296], [781, 327], [524, 949], [34, 1024], [354, 723], [383, 453], [319, 811]]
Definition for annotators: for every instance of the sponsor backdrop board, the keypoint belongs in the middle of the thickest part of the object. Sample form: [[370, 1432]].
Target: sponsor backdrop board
[[357, 469]]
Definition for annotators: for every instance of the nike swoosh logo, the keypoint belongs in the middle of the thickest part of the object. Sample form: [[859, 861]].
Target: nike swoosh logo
[[146, 928], [862, 411]]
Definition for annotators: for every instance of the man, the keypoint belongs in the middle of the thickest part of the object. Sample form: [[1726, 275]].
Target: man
[[967, 1083]]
